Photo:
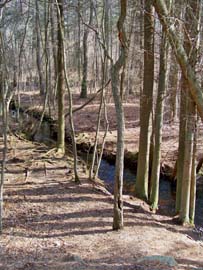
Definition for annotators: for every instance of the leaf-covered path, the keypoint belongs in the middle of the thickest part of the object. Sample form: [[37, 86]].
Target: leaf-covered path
[[52, 223]]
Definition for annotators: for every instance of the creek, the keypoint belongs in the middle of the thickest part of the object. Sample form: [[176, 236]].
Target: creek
[[167, 201], [107, 171]]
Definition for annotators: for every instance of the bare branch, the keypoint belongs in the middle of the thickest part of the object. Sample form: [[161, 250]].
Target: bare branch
[[3, 3], [90, 100]]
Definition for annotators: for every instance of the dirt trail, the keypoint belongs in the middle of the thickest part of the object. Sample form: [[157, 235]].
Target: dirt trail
[[52, 223]]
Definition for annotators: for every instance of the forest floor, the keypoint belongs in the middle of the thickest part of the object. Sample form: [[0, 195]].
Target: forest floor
[[52, 223], [85, 123]]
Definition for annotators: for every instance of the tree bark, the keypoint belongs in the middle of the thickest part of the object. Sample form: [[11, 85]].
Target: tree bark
[[38, 50], [3, 162], [193, 184], [181, 56], [61, 29], [60, 86], [115, 79], [5, 98], [53, 38], [187, 166], [85, 56], [78, 43], [154, 194], [191, 44], [141, 185], [181, 145]]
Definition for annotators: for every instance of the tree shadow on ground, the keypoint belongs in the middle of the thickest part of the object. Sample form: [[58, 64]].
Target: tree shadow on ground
[[72, 224], [42, 224], [84, 221], [59, 258], [190, 264]]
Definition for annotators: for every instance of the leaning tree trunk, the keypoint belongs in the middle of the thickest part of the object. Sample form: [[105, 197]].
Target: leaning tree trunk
[[115, 79], [92, 165], [181, 56], [192, 19], [141, 185]]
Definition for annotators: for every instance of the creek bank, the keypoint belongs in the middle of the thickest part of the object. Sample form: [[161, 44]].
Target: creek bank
[[107, 169], [85, 144], [85, 141], [166, 260]]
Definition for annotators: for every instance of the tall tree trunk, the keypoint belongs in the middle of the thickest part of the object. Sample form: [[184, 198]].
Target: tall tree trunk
[[141, 185], [154, 194], [115, 79], [47, 60], [78, 45], [191, 44], [181, 146], [5, 98], [61, 29], [53, 38], [3, 162], [193, 183], [187, 166], [60, 86], [2, 113], [173, 88], [106, 34], [19, 62], [182, 120], [83, 93], [38, 50]]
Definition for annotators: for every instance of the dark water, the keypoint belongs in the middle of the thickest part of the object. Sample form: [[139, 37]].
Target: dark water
[[44, 134], [166, 190], [167, 201], [107, 171], [199, 206]]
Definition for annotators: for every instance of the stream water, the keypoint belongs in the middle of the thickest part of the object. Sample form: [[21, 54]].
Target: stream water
[[199, 206], [107, 171], [166, 190]]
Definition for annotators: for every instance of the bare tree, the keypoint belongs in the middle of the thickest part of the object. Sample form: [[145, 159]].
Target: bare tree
[[141, 185], [116, 90], [61, 81]]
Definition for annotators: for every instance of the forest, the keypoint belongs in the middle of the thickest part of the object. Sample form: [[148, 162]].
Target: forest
[[101, 135]]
